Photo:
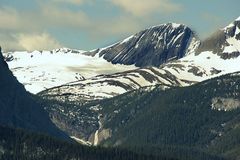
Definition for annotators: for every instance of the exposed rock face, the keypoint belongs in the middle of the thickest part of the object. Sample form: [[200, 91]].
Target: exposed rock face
[[152, 47], [224, 42], [104, 134], [226, 104], [18, 108]]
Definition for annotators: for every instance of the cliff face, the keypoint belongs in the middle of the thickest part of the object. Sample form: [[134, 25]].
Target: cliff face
[[225, 42], [152, 47]]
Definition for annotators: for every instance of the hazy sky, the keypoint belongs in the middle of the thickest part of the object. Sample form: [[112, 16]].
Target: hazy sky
[[89, 24]]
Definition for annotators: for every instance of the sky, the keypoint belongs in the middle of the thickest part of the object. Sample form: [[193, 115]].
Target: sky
[[90, 24]]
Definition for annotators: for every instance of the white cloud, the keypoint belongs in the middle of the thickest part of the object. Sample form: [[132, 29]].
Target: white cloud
[[32, 42], [76, 2], [10, 19], [73, 2], [64, 17], [20, 21], [19, 27], [28, 42], [9, 42], [147, 7], [22, 26], [46, 16]]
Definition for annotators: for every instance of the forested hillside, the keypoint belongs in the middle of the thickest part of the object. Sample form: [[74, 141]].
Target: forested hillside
[[17, 144]]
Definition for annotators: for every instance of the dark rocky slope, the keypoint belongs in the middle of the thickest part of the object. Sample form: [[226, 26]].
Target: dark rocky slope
[[224, 42], [18, 108], [151, 47]]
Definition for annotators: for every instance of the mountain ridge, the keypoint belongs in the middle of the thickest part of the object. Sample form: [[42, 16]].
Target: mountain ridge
[[168, 41], [224, 42]]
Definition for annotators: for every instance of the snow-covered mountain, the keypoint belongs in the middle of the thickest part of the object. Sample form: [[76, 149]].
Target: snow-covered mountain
[[90, 76], [224, 42], [106, 86], [151, 47], [214, 57], [40, 70], [217, 55]]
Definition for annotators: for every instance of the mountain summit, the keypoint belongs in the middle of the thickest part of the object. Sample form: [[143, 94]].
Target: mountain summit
[[225, 42], [151, 47]]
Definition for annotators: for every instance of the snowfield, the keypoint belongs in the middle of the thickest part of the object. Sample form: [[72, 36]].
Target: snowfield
[[42, 70]]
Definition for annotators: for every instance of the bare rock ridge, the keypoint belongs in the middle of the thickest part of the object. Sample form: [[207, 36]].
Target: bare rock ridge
[[224, 42], [151, 47]]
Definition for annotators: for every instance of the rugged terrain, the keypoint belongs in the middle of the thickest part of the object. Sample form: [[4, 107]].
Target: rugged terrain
[[181, 121], [41, 70], [19, 109], [179, 96], [152, 47], [193, 68], [199, 64]]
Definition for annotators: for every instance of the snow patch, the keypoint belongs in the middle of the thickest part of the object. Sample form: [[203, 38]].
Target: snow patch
[[127, 39], [81, 141], [229, 26], [229, 49], [176, 25], [234, 42], [238, 19]]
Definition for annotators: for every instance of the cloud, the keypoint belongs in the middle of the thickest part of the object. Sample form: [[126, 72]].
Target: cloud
[[19, 27], [15, 21], [75, 2], [9, 42], [32, 42], [46, 16], [64, 17], [28, 42], [10, 19], [72, 2], [147, 7]]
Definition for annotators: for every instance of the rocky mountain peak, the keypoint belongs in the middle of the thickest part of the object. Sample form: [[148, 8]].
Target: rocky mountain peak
[[168, 25], [151, 47], [233, 29], [225, 42]]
